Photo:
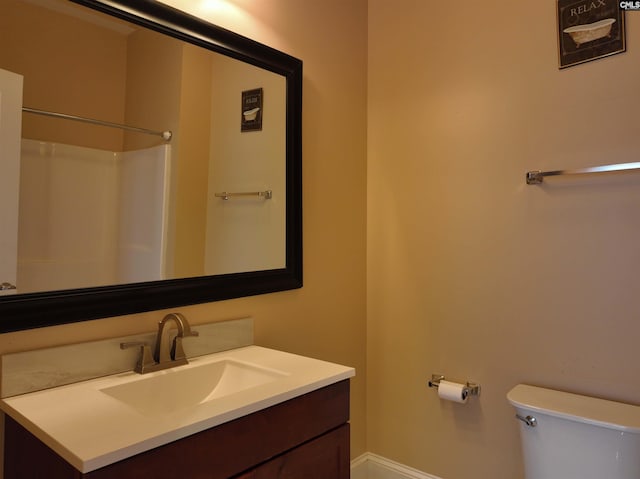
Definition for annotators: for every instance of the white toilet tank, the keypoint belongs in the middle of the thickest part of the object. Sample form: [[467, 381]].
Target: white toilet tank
[[576, 437]]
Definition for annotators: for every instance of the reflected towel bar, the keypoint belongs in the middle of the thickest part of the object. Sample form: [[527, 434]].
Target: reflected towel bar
[[166, 135], [265, 194], [536, 177]]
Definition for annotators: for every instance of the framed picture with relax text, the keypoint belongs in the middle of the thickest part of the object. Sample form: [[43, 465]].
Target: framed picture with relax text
[[251, 116], [588, 30]]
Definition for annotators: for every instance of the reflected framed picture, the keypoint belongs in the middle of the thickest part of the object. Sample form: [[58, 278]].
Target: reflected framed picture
[[251, 110], [588, 30]]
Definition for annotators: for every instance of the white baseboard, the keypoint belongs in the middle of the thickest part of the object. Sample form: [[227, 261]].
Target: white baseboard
[[372, 466]]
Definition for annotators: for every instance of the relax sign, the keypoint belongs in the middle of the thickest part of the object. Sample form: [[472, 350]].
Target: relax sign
[[590, 29]]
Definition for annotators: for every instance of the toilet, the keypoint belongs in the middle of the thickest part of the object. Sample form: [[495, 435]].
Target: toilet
[[569, 436]]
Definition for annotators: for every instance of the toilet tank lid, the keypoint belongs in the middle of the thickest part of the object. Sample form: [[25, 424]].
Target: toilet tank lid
[[575, 407]]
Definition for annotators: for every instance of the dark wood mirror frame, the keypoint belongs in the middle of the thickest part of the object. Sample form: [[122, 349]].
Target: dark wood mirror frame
[[35, 310]]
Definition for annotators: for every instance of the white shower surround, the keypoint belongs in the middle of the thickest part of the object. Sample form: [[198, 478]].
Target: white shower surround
[[143, 216], [91, 217]]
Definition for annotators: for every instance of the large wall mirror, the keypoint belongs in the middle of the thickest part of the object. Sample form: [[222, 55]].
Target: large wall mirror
[[151, 160]]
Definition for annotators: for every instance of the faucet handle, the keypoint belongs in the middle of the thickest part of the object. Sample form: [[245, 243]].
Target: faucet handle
[[145, 360]]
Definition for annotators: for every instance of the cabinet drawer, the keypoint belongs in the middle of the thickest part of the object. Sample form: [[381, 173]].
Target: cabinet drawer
[[326, 457]]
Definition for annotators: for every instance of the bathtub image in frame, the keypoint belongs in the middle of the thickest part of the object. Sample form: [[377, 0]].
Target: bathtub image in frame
[[588, 30], [251, 118]]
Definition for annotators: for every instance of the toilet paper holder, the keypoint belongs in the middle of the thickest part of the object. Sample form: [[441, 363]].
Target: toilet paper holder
[[472, 389]]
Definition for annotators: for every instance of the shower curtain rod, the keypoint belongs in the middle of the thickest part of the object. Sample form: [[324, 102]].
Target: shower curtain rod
[[166, 135]]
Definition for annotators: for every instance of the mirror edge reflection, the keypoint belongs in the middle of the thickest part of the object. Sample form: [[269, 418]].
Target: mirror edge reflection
[[35, 310]]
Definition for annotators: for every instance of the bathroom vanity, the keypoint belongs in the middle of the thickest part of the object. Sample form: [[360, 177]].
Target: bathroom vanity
[[304, 437], [274, 415]]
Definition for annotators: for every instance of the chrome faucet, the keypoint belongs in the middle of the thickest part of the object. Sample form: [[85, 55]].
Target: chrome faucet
[[168, 353], [175, 354]]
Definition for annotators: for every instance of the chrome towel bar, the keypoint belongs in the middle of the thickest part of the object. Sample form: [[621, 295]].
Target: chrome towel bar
[[536, 177], [264, 194]]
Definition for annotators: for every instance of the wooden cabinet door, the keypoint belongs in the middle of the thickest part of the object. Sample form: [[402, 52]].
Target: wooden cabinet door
[[326, 457], [26, 457]]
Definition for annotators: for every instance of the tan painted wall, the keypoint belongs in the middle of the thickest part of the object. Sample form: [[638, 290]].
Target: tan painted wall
[[191, 162], [55, 79], [154, 105], [472, 273], [325, 319]]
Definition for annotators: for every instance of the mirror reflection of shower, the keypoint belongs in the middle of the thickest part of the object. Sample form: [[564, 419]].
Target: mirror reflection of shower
[[91, 217]]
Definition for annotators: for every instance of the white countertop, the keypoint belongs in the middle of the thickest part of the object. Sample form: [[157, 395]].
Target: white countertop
[[91, 429]]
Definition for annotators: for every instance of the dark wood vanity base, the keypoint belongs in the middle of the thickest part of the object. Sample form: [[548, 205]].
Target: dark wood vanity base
[[304, 438]]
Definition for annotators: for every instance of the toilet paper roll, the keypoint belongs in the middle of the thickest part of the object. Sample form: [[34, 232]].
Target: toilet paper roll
[[455, 392]]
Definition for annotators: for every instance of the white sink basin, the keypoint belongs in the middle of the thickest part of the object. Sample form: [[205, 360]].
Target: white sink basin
[[170, 391], [95, 423]]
